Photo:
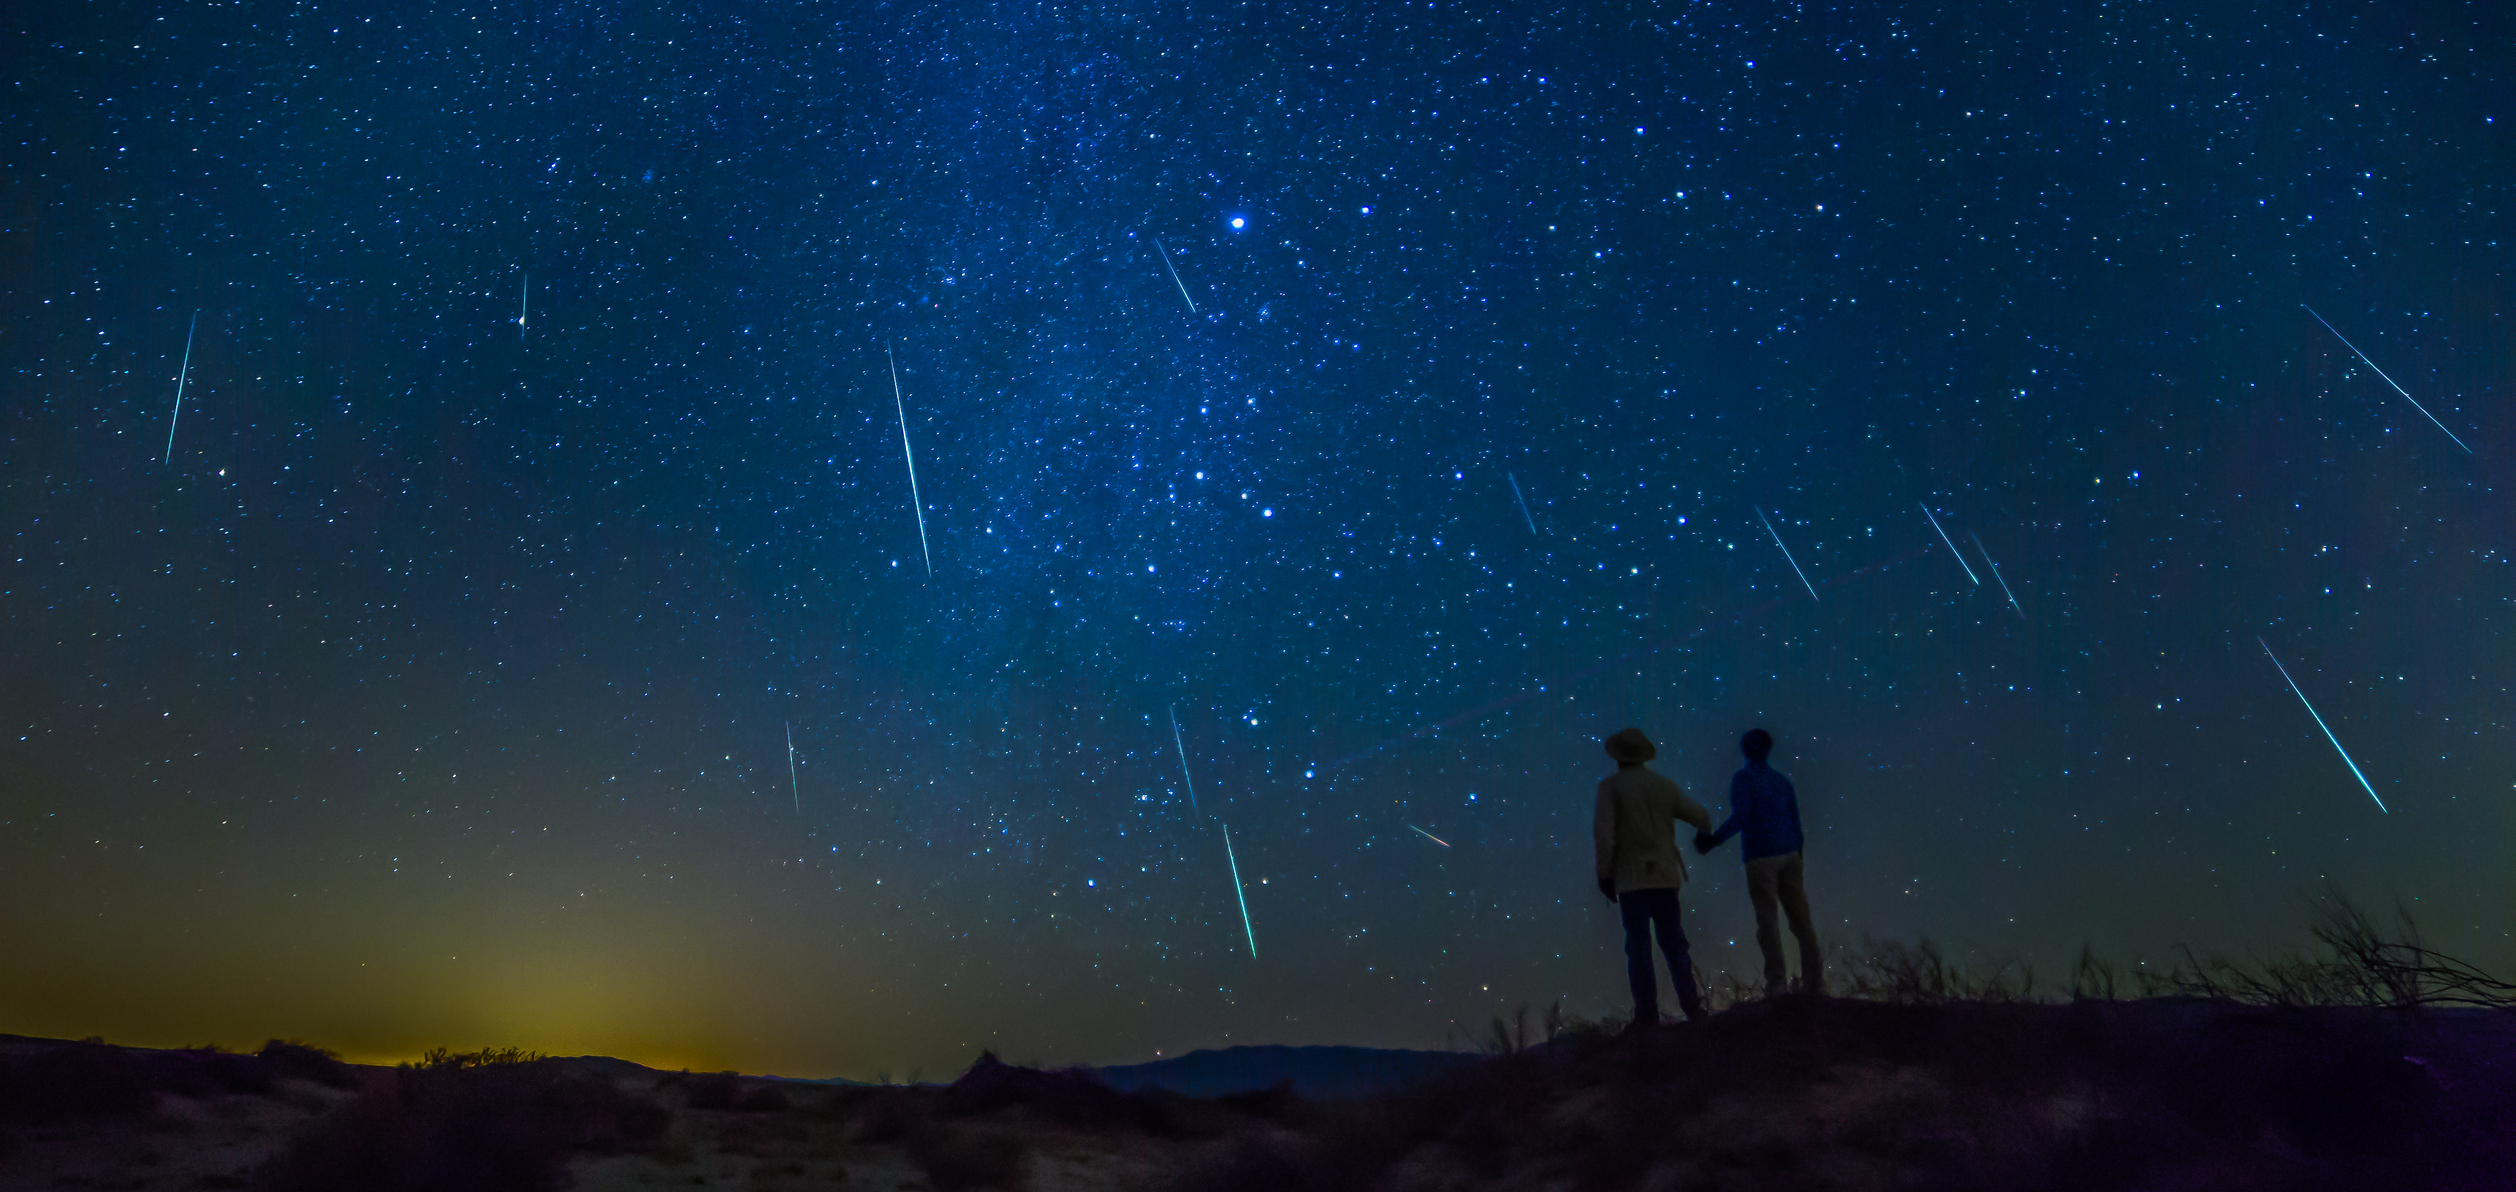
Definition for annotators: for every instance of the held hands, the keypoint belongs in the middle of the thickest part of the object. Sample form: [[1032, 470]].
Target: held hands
[[1607, 886], [1703, 842]]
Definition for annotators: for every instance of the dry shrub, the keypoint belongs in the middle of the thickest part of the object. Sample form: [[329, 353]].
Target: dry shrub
[[956, 1156], [72, 1082], [1077, 1097], [888, 1115], [494, 1125], [290, 1059]]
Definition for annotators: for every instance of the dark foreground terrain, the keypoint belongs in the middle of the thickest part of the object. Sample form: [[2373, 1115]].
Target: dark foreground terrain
[[1785, 1094]]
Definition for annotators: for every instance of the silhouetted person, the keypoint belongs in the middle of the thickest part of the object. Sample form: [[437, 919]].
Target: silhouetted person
[[1765, 809], [1639, 869]]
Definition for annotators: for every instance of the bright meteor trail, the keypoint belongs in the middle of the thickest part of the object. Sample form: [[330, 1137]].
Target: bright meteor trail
[[2415, 402], [2319, 723], [794, 786], [1996, 575], [916, 503], [180, 377], [1524, 502], [1952, 547], [1786, 554], [1183, 286], [1182, 746], [1237, 892], [1429, 836]]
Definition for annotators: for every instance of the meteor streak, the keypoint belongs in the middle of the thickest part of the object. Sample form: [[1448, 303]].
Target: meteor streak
[[1183, 286], [794, 786], [1182, 746], [523, 304], [1952, 547], [2415, 402], [915, 502], [2319, 723], [1237, 892], [1996, 575], [1429, 836], [180, 376], [1786, 554], [1524, 502]]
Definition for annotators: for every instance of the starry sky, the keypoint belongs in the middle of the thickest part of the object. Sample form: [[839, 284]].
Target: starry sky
[[524, 633]]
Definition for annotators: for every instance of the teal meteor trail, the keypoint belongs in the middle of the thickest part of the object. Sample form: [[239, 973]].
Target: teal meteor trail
[[2319, 723], [1524, 502], [1237, 892], [1786, 554], [2415, 402], [1988, 561], [1182, 746], [916, 502], [180, 378], [1183, 286], [1952, 547]]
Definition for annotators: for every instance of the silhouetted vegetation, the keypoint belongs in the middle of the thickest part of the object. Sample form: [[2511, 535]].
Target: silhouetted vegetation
[[289, 1059], [729, 1092], [494, 1121], [2367, 1059], [48, 1082], [956, 1156], [1947, 1093]]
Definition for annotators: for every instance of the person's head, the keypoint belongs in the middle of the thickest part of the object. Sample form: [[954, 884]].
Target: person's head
[[1630, 748], [1757, 744]]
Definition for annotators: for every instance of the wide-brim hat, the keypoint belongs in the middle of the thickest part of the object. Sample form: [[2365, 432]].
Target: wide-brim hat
[[1629, 745]]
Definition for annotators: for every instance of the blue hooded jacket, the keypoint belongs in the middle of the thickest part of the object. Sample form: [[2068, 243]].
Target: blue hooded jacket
[[1766, 809]]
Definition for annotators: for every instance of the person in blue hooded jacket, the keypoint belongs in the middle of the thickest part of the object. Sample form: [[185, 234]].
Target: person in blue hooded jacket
[[1766, 810]]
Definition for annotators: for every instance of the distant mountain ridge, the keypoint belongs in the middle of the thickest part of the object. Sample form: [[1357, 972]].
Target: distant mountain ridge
[[1311, 1071], [1315, 1071]]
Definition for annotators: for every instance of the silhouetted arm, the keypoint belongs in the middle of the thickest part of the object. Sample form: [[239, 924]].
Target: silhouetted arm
[[1738, 803], [1693, 813]]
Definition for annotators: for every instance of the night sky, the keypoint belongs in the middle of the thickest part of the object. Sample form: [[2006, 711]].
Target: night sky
[[435, 685]]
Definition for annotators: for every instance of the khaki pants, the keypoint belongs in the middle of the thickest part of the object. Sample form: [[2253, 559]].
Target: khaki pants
[[1782, 881]]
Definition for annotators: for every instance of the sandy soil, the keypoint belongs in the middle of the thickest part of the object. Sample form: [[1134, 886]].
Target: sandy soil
[[185, 1142]]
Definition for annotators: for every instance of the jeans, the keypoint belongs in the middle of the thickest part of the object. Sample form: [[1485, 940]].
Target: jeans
[[1780, 883], [1644, 912]]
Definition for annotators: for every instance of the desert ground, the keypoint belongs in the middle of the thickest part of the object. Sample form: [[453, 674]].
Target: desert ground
[[1795, 1092]]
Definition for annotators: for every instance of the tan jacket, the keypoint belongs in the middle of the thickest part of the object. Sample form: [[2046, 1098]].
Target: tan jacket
[[1635, 831]]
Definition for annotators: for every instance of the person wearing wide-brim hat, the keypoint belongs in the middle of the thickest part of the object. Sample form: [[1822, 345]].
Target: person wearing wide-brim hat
[[1640, 869]]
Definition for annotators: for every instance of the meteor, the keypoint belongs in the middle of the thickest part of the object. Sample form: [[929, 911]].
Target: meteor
[[1429, 836], [2415, 402], [1996, 575], [1952, 547], [1183, 286], [523, 304], [180, 377], [794, 786], [1524, 502], [1786, 554], [1182, 746], [915, 502], [1237, 892], [2319, 723]]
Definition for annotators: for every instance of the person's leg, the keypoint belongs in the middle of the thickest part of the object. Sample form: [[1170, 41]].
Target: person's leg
[[1761, 873], [1670, 925], [1637, 915], [1791, 889]]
